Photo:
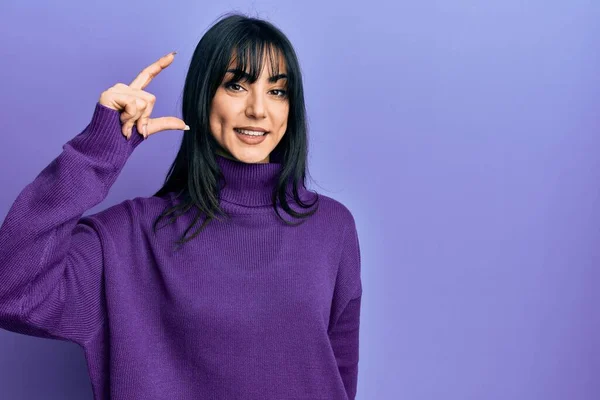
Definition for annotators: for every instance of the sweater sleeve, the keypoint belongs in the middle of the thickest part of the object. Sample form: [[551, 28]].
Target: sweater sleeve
[[51, 261], [345, 313]]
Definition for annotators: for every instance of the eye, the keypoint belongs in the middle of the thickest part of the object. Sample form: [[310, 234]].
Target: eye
[[232, 85], [282, 93]]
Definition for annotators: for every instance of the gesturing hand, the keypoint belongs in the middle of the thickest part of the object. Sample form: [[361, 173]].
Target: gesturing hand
[[135, 104]]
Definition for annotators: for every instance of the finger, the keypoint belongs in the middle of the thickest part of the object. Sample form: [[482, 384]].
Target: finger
[[145, 116], [148, 73], [164, 124], [129, 108], [129, 119]]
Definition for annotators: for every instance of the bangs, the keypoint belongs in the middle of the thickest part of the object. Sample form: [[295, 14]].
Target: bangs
[[249, 56]]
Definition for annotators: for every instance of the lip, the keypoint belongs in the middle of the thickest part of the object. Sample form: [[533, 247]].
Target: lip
[[252, 128], [252, 140]]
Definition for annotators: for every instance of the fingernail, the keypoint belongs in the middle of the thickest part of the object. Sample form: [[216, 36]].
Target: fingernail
[[187, 128], [145, 130], [174, 53]]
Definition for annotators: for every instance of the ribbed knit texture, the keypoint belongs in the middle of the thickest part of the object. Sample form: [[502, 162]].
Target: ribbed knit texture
[[249, 309]]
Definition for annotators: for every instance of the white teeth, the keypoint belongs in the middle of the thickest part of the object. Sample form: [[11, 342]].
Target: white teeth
[[251, 133]]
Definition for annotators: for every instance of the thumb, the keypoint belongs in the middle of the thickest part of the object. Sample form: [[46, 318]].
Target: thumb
[[166, 123]]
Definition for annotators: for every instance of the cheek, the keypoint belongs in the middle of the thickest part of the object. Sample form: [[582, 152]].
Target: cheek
[[218, 117], [284, 118], [215, 124]]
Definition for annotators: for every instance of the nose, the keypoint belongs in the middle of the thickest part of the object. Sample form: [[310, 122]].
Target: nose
[[255, 105]]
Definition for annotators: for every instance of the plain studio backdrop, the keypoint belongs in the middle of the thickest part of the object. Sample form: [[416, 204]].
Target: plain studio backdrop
[[464, 136]]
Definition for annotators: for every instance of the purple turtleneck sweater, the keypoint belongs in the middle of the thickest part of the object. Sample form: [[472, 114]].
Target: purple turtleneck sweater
[[249, 309]]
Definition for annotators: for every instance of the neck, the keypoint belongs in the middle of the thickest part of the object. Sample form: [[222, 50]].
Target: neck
[[248, 184]]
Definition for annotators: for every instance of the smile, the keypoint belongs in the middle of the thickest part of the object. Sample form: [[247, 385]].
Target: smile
[[249, 132]]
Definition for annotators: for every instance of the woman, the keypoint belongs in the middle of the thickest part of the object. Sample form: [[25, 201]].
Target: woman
[[261, 302]]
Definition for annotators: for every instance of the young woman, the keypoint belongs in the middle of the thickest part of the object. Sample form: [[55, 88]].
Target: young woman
[[262, 301]]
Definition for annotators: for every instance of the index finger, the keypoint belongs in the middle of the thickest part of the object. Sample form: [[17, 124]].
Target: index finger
[[148, 73]]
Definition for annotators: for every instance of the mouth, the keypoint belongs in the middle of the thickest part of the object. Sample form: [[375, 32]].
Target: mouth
[[248, 132]]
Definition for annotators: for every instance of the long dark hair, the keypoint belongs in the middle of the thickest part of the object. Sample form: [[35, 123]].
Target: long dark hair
[[195, 175]]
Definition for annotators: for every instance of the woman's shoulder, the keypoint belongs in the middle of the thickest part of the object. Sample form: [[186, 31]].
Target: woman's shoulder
[[131, 214], [336, 210]]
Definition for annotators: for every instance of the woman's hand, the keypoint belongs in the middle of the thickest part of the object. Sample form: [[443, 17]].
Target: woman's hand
[[136, 105]]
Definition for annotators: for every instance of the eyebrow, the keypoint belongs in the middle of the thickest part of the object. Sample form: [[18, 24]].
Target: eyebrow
[[272, 79]]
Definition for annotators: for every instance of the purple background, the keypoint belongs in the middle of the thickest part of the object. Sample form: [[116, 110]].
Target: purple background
[[464, 136]]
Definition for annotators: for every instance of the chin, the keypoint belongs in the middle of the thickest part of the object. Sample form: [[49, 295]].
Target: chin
[[250, 156]]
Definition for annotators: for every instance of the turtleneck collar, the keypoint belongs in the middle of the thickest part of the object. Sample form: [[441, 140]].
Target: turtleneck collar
[[248, 184]]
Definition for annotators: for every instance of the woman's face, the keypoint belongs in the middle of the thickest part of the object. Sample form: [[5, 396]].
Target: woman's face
[[262, 105]]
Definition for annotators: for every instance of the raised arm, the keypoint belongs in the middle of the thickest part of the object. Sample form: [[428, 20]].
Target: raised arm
[[51, 258]]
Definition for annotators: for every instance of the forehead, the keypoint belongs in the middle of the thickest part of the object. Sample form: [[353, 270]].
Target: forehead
[[272, 60]]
